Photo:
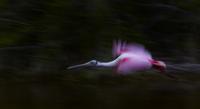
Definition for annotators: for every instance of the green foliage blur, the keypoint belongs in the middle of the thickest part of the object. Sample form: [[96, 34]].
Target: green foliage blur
[[49, 35], [39, 39]]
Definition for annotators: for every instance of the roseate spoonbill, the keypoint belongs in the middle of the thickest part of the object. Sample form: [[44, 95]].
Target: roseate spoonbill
[[130, 58]]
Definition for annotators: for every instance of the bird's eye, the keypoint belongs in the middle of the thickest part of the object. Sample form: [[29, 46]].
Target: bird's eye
[[94, 62]]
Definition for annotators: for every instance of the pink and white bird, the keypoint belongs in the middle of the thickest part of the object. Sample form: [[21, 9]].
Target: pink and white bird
[[130, 58]]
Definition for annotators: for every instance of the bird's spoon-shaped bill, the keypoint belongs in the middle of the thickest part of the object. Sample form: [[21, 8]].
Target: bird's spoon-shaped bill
[[78, 66]]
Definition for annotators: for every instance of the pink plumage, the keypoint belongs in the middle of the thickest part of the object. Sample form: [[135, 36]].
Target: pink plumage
[[134, 48], [131, 57]]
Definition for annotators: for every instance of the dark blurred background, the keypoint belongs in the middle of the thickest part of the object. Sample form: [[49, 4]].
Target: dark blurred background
[[39, 39]]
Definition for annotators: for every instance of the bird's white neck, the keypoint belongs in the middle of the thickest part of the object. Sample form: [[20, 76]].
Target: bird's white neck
[[107, 64]]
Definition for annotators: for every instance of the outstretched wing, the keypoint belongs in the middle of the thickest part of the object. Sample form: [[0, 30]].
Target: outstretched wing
[[120, 47]]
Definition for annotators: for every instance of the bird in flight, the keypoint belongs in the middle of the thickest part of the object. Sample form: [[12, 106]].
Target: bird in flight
[[129, 58]]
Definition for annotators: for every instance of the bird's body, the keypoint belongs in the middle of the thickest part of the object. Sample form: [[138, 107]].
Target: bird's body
[[129, 62], [129, 58]]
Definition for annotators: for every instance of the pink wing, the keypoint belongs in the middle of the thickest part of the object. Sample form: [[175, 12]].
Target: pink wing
[[136, 59], [129, 65], [137, 49]]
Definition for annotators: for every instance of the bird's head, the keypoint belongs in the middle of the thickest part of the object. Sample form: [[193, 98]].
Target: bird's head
[[91, 63], [159, 65]]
